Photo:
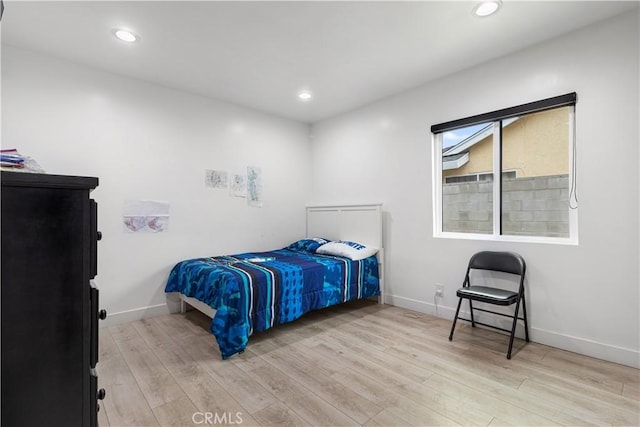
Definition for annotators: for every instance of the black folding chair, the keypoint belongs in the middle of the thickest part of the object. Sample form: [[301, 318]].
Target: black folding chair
[[506, 262]]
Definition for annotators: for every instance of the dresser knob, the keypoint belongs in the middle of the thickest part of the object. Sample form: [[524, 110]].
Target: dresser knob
[[102, 314], [101, 394], [99, 235]]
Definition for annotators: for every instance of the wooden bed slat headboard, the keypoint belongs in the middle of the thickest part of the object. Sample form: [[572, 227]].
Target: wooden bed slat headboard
[[358, 223]]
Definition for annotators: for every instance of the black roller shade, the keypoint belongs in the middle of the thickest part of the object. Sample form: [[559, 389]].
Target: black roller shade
[[531, 107]]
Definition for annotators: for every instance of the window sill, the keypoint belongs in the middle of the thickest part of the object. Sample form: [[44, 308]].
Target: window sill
[[570, 241]]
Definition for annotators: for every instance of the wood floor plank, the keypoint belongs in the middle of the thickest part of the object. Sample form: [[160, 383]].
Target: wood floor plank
[[565, 378], [122, 332], [389, 371], [417, 399], [157, 384], [178, 413], [425, 396], [387, 418], [482, 388], [631, 390], [507, 411], [441, 360], [185, 325], [209, 396], [279, 415], [496, 422], [614, 371], [103, 419], [318, 382], [418, 415], [585, 373], [126, 406], [249, 360], [243, 388], [307, 405], [189, 369], [113, 371], [482, 380], [368, 388], [107, 347], [455, 409], [594, 408]]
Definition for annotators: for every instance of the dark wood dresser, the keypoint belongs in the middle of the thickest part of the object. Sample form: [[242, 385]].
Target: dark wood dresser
[[49, 302]]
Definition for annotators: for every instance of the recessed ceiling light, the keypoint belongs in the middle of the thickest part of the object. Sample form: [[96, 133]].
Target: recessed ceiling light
[[305, 95], [125, 35], [487, 7]]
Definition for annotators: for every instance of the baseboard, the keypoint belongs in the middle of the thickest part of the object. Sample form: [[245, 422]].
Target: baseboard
[[420, 306], [623, 356], [135, 314]]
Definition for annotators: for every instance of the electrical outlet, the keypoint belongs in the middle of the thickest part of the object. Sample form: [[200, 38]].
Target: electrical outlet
[[439, 290]]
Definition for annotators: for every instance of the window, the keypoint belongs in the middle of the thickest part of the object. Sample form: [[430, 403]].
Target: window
[[530, 148]]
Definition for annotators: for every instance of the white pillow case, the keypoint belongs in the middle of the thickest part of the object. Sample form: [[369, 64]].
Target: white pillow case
[[352, 250]]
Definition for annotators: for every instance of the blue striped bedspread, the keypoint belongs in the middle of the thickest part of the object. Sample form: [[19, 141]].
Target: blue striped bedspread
[[252, 292]]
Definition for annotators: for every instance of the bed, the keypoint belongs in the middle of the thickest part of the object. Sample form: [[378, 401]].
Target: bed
[[339, 260]]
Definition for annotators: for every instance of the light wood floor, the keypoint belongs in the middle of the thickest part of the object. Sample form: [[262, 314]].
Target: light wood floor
[[359, 364]]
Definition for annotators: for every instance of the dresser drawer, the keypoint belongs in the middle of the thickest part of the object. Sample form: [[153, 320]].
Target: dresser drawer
[[94, 236], [95, 394], [96, 315]]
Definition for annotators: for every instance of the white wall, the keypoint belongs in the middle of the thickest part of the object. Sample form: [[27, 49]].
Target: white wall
[[148, 142], [584, 298]]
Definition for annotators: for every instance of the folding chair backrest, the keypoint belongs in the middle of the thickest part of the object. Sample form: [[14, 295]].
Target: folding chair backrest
[[506, 262]]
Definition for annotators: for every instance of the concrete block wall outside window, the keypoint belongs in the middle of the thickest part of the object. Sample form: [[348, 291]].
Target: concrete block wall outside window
[[533, 206]]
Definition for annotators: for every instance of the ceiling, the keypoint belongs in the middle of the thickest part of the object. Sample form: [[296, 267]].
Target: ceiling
[[261, 54]]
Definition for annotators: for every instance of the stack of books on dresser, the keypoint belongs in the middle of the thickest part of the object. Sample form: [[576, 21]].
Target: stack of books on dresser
[[12, 160]]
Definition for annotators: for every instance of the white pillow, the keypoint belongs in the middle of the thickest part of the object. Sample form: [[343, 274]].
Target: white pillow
[[352, 250]]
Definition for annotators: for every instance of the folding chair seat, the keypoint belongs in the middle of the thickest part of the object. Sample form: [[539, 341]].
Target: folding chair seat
[[505, 262]]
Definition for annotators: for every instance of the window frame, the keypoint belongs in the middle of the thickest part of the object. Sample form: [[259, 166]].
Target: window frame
[[496, 118], [478, 175]]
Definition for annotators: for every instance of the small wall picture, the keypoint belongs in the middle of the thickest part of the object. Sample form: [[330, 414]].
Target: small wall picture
[[254, 186], [216, 179], [237, 187], [145, 216]]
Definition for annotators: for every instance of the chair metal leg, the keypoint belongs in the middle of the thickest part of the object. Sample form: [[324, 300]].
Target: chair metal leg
[[455, 319], [473, 321], [513, 329], [526, 326]]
